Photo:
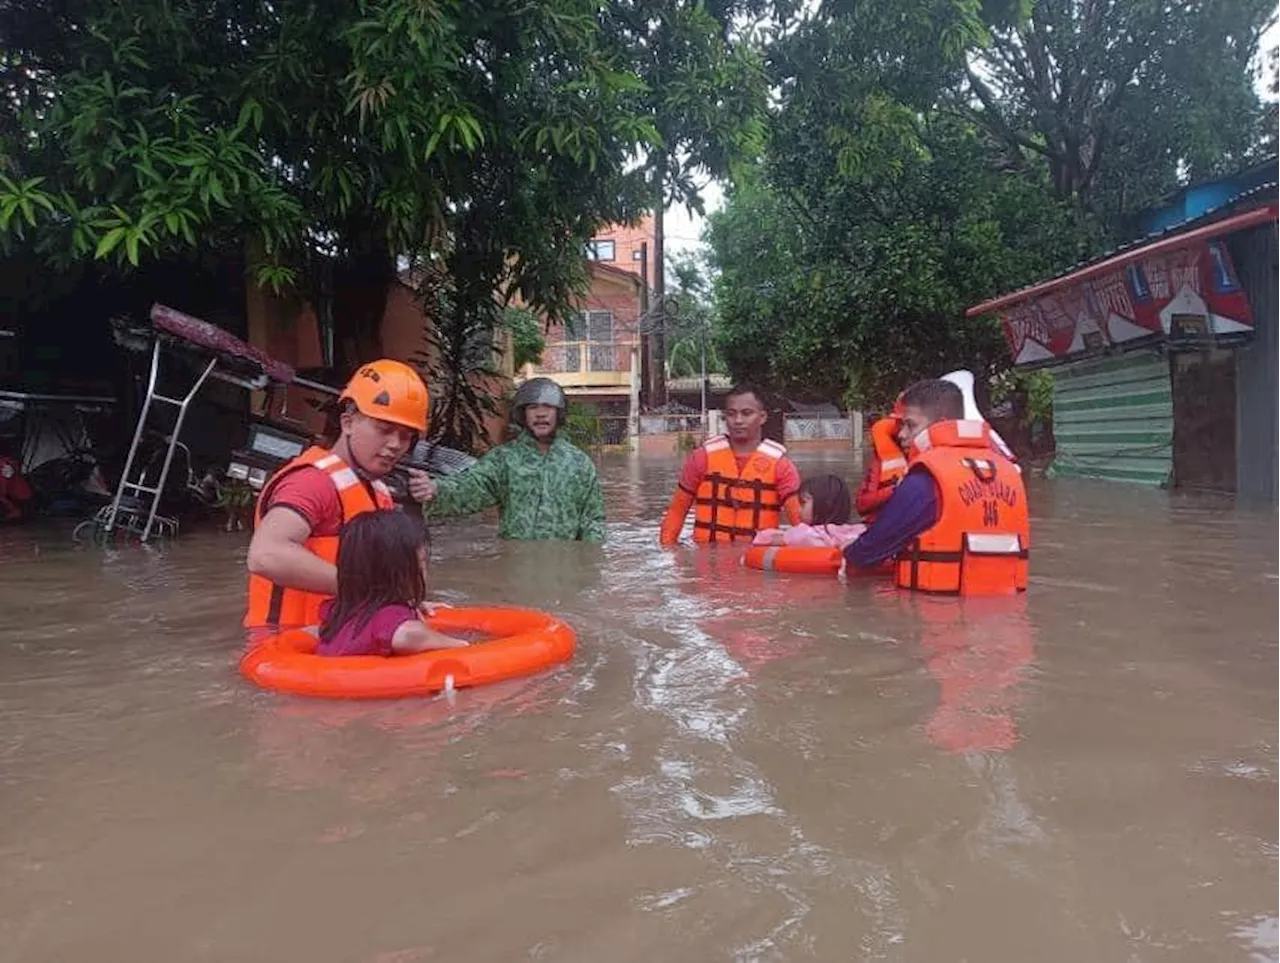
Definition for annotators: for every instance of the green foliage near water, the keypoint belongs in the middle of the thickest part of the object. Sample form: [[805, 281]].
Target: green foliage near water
[[582, 427], [322, 141], [527, 340], [691, 320], [890, 164], [1030, 391], [492, 139], [925, 156]]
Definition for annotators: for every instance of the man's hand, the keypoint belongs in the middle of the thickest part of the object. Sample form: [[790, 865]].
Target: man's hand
[[422, 488]]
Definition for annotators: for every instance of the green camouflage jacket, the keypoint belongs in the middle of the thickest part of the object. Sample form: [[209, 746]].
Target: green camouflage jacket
[[556, 495]]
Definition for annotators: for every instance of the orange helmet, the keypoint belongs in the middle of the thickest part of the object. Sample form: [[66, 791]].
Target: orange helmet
[[389, 391]]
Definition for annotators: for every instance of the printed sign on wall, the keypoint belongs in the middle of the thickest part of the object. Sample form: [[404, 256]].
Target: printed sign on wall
[[1149, 298]]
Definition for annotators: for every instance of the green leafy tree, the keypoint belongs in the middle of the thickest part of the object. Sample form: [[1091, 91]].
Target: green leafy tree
[[691, 320], [847, 256], [924, 156], [704, 91], [1122, 100], [322, 138], [527, 340]]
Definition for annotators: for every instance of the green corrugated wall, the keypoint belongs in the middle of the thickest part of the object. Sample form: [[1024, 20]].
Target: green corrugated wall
[[1113, 419]]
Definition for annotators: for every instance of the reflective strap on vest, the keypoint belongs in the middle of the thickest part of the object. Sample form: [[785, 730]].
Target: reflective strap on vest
[[975, 543], [296, 605], [716, 495], [978, 543]]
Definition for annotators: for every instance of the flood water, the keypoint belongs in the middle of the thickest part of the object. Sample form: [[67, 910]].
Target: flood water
[[735, 766]]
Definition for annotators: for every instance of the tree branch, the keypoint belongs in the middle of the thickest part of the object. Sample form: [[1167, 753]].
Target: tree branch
[[991, 118]]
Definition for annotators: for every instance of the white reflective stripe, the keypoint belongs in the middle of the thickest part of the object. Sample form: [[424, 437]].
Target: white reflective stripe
[[328, 461], [921, 441], [771, 448], [983, 544], [891, 463], [718, 443], [381, 488], [969, 429], [770, 556], [344, 479]]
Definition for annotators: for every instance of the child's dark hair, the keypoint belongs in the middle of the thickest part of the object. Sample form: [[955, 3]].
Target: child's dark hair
[[377, 566], [832, 504]]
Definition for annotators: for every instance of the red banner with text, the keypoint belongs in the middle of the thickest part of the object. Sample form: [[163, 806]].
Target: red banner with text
[[1187, 292]]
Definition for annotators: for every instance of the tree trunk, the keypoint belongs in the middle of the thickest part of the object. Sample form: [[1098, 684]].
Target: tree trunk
[[360, 284]]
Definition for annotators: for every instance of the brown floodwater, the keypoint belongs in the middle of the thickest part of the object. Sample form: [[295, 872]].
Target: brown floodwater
[[735, 766]]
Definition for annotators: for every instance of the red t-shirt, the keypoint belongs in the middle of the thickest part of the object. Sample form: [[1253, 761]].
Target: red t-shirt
[[310, 493], [695, 468], [372, 638]]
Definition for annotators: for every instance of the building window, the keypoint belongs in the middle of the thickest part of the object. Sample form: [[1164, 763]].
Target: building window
[[599, 250], [595, 330]]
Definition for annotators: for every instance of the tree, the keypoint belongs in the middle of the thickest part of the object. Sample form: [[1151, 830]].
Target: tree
[[852, 301], [690, 321], [1271, 109], [1124, 100], [924, 156], [847, 256], [527, 341], [322, 138], [704, 91]]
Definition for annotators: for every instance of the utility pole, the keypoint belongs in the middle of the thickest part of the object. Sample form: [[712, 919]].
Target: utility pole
[[646, 338], [702, 341], [658, 367]]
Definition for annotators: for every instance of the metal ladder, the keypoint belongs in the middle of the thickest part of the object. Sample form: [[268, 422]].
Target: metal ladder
[[129, 517]]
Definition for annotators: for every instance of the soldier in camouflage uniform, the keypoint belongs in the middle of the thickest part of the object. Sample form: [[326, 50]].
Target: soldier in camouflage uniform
[[544, 487]]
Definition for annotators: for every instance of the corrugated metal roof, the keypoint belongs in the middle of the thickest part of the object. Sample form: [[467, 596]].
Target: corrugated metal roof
[[1166, 240]]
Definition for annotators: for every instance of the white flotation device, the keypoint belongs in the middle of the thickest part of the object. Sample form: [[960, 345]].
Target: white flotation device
[[964, 381]]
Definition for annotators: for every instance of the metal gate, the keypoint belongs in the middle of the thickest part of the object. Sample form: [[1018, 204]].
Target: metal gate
[[1113, 419]]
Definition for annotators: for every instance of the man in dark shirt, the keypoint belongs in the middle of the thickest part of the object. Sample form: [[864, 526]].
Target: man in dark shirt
[[914, 506]]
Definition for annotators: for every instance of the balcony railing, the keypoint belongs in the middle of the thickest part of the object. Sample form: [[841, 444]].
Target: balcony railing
[[571, 357]]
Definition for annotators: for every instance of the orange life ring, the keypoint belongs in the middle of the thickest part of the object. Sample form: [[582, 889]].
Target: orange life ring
[[806, 560], [803, 560], [524, 641]]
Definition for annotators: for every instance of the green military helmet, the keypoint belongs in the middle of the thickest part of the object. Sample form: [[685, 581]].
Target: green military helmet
[[539, 391]]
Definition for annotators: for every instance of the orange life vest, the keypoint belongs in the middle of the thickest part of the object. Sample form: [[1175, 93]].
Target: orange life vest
[[271, 604], [730, 506], [981, 541], [887, 469]]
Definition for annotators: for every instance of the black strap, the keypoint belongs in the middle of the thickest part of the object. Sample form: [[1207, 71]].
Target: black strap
[[722, 496], [936, 556], [275, 604], [733, 531], [709, 502]]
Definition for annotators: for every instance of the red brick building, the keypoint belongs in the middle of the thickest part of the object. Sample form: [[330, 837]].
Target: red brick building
[[596, 357], [625, 247]]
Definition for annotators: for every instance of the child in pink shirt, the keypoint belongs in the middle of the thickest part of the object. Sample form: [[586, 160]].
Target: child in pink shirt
[[382, 585], [825, 510]]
